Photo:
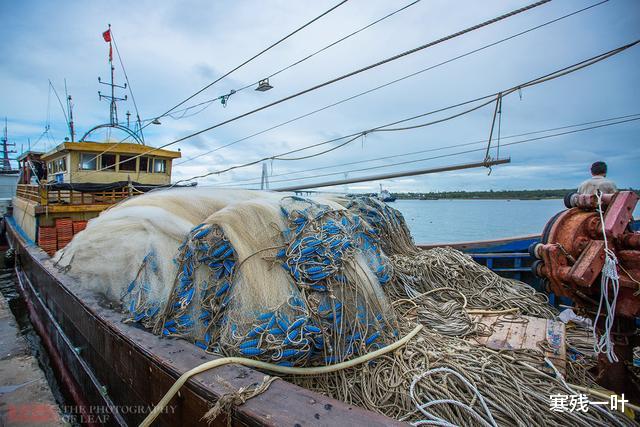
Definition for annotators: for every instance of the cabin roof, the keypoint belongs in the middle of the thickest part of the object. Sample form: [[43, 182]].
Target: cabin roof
[[29, 153], [121, 148]]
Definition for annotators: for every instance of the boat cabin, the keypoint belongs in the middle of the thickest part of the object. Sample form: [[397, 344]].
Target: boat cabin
[[31, 166], [86, 162], [62, 189]]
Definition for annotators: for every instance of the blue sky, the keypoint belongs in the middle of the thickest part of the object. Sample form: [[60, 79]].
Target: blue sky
[[172, 49]]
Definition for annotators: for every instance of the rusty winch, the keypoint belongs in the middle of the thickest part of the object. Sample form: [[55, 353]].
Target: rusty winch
[[571, 257]]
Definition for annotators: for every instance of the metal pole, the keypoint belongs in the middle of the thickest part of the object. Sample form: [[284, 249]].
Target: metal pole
[[395, 175]]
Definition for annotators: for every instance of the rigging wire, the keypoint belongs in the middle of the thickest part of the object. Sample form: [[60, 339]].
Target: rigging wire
[[271, 46], [336, 79], [126, 78], [475, 150], [547, 77], [391, 82], [66, 119], [252, 181], [209, 102]]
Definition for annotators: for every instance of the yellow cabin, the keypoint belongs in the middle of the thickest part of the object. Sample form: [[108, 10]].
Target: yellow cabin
[[85, 162], [78, 180]]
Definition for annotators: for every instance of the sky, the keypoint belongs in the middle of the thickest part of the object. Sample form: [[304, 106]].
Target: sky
[[171, 49]]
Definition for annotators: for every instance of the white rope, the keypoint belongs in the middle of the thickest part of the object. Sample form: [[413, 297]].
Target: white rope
[[434, 420], [609, 276], [593, 405]]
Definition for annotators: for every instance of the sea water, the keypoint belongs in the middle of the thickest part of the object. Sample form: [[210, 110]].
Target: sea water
[[444, 221]]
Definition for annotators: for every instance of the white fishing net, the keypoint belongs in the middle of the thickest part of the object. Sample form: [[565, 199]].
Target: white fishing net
[[289, 280]]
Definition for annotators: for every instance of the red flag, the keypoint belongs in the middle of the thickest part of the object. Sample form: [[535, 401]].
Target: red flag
[[107, 36]]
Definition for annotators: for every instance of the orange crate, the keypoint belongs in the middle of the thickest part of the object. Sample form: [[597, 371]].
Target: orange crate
[[78, 226], [48, 239]]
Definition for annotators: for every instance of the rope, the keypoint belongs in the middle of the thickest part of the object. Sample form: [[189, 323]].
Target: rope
[[272, 368], [434, 420], [250, 181], [424, 159], [227, 401], [609, 276]]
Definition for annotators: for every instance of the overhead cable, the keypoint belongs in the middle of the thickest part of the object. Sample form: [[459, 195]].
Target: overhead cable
[[524, 141], [337, 79], [207, 103], [387, 127], [271, 46], [352, 97], [254, 180]]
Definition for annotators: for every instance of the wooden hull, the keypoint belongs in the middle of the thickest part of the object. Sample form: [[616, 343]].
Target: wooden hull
[[116, 372]]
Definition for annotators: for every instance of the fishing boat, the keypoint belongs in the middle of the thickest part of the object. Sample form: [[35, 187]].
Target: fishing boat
[[8, 175], [102, 362], [106, 367], [113, 372], [385, 196]]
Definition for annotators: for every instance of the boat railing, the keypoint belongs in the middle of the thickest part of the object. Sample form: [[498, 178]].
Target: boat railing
[[28, 192], [46, 197]]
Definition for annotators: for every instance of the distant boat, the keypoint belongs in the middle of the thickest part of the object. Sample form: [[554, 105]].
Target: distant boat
[[385, 196], [8, 175]]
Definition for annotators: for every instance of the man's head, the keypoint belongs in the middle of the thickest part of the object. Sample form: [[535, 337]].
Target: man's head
[[599, 168]]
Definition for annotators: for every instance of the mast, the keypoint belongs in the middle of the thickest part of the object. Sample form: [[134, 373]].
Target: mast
[[70, 110], [6, 163], [113, 99]]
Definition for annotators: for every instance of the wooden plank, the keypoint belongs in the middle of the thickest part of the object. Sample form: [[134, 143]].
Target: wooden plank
[[51, 209], [533, 334]]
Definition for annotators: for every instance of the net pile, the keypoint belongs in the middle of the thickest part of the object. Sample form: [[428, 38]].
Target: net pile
[[314, 281], [287, 280]]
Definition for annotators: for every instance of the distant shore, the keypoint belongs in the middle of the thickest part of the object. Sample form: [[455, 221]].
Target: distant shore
[[489, 195]]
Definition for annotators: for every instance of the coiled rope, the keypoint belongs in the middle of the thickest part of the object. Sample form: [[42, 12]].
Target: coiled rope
[[609, 276], [434, 420]]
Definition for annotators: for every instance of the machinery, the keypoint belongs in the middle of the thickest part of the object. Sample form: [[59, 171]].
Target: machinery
[[570, 260]]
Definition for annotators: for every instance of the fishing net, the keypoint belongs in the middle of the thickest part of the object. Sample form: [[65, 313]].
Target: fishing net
[[314, 281], [288, 280]]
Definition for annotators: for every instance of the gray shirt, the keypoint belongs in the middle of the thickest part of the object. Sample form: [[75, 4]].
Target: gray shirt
[[598, 182]]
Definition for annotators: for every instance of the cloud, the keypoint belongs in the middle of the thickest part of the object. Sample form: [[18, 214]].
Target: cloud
[[171, 50]]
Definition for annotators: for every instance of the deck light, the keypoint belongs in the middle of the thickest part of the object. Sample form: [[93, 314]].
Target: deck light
[[263, 85]]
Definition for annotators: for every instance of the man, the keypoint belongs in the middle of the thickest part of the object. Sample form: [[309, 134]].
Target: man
[[598, 181]]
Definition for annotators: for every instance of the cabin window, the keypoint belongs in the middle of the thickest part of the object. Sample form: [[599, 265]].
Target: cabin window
[[50, 168], [108, 162], [144, 164], [62, 164], [88, 161], [127, 163], [159, 166]]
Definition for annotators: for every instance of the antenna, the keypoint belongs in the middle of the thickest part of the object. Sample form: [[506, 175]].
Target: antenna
[[113, 99], [70, 109], [6, 163]]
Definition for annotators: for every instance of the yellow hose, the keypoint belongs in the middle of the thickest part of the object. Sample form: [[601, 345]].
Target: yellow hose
[[270, 367]]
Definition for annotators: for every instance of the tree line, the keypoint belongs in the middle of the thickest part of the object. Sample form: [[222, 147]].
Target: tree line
[[491, 194]]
